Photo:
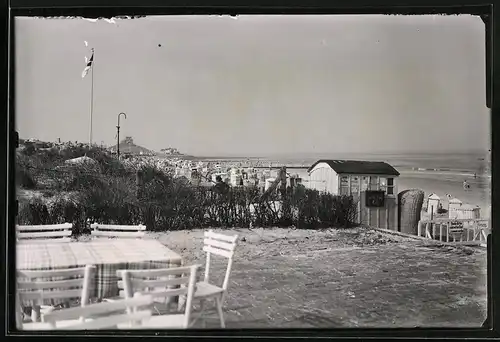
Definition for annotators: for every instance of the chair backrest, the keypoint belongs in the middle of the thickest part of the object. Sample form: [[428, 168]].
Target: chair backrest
[[221, 245], [41, 233], [103, 315], [113, 230], [55, 284], [161, 283]]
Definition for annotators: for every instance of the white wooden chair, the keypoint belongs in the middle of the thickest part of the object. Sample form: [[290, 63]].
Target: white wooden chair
[[97, 316], [37, 286], [160, 284], [44, 233], [118, 231], [223, 246]]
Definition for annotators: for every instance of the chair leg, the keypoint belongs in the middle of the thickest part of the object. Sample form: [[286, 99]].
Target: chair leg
[[219, 309], [203, 321], [35, 313], [199, 315]]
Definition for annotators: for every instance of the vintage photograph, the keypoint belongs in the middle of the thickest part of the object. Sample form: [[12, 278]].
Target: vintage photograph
[[252, 171]]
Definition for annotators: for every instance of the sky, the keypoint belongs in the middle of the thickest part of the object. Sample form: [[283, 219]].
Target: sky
[[258, 85]]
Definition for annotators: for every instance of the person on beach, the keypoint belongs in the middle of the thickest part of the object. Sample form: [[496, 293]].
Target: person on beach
[[466, 185]]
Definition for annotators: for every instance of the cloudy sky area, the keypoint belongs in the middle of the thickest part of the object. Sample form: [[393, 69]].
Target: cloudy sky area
[[258, 85]]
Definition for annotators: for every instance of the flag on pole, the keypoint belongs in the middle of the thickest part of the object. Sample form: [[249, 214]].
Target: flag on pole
[[88, 65]]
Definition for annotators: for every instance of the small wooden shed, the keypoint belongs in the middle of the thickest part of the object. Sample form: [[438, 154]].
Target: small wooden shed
[[350, 177], [355, 178]]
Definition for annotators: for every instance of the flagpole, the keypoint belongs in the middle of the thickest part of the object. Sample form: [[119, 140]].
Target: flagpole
[[91, 96]]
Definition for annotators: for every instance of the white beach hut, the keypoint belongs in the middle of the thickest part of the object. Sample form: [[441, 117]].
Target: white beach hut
[[454, 204], [351, 177], [269, 182], [355, 178], [468, 212], [433, 203]]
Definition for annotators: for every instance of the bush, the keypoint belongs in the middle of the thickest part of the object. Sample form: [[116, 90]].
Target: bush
[[80, 181], [165, 203], [33, 212], [111, 202], [29, 150], [25, 179]]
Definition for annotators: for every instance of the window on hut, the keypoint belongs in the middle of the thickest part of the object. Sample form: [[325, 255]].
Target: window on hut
[[373, 183], [354, 189], [383, 184], [364, 183], [344, 185], [390, 186]]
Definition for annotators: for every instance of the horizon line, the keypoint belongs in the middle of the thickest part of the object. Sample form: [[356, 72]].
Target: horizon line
[[295, 154]]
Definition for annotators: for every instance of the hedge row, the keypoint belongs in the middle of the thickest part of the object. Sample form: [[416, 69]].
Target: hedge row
[[164, 203]]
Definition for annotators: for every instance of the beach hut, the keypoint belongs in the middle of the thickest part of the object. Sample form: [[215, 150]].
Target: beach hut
[[433, 202], [350, 177], [454, 204], [235, 179], [269, 182], [354, 178], [293, 181], [468, 212]]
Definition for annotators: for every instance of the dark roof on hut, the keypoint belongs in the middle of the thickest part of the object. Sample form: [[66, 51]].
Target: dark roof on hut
[[358, 167]]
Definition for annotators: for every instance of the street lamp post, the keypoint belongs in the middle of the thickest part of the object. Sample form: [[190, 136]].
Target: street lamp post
[[118, 134]]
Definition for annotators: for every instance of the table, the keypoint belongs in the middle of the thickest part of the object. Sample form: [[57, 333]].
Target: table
[[107, 256]]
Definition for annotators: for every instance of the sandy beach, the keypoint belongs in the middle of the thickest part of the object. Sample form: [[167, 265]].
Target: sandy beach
[[479, 193]]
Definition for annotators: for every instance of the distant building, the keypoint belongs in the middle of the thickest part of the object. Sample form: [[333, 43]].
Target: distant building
[[170, 151], [128, 147]]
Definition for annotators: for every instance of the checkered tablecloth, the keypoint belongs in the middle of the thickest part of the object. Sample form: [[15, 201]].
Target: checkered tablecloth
[[107, 256]]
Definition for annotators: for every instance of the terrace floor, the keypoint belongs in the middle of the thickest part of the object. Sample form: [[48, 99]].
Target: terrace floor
[[343, 278]]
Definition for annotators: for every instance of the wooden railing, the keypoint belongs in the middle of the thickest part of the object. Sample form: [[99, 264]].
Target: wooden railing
[[461, 231]]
